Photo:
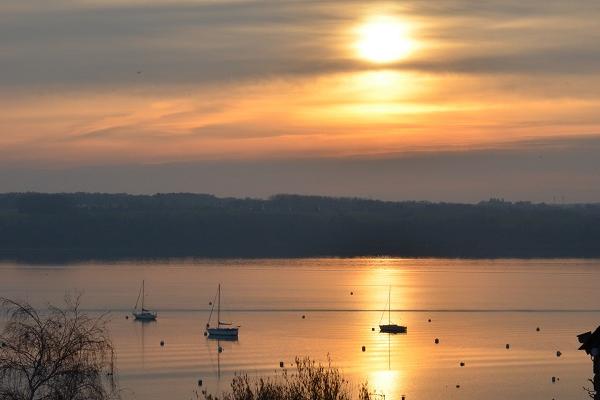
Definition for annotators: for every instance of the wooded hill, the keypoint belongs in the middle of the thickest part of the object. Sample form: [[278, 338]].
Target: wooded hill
[[36, 226]]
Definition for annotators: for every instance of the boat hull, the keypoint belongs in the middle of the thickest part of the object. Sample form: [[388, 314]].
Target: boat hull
[[144, 316], [392, 328], [222, 332]]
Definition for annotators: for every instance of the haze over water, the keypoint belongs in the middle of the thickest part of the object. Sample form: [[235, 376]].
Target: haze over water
[[476, 307]]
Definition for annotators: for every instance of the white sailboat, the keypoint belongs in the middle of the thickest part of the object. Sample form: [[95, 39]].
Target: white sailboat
[[223, 330], [390, 327], [143, 314]]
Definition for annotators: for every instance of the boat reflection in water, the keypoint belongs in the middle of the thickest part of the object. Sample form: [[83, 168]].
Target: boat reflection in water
[[220, 341]]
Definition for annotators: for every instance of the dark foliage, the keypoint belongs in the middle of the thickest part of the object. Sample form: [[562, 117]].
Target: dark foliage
[[112, 226]]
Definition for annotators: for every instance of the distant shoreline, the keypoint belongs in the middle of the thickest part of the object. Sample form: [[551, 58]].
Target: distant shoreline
[[70, 259], [80, 227]]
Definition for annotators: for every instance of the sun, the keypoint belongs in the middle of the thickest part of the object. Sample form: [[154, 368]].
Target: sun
[[383, 40]]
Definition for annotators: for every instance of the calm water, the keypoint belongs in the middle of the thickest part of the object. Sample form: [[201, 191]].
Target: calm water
[[475, 307]]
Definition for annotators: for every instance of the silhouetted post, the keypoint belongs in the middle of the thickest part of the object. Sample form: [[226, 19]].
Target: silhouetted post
[[590, 342], [597, 377]]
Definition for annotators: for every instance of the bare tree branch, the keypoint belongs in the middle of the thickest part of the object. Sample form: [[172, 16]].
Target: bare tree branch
[[59, 355]]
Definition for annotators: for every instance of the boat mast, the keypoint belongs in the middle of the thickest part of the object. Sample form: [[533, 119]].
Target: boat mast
[[219, 308], [390, 305], [143, 295]]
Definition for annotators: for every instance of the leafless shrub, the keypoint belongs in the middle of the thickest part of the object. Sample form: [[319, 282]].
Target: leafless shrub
[[591, 392], [309, 381], [61, 354]]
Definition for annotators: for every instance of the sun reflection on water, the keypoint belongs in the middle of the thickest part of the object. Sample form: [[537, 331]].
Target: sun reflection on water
[[387, 382], [390, 359]]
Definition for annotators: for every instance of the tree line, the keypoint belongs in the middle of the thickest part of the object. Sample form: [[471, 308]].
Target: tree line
[[114, 226]]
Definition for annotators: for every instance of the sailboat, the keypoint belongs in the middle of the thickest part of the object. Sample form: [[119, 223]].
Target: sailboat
[[389, 327], [143, 314], [223, 330]]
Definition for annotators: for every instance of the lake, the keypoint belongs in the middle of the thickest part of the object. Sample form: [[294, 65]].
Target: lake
[[474, 308]]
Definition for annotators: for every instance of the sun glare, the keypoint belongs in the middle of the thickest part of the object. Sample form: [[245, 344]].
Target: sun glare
[[387, 382], [383, 40]]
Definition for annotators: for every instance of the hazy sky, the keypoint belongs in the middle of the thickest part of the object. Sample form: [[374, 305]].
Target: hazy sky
[[439, 100]]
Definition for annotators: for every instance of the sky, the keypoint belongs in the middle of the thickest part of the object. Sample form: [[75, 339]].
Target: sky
[[448, 100]]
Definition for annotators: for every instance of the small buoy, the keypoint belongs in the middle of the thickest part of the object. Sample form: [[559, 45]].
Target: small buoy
[[507, 346], [553, 379], [205, 333], [280, 364], [220, 349], [210, 303], [458, 386], [429, 320], [403, 397], [537, 329], [351, 293], [304, 316], [558, 354], [199, 382], [462, 364], [364, 348], [162, 342], [372, 329], [437, 341], [207, 325], [127, 317]]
